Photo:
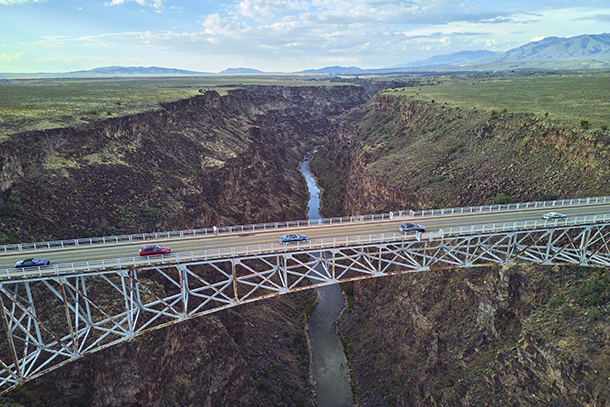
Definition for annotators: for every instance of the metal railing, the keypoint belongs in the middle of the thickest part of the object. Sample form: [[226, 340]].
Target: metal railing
[[314, 244], [142, 237], [511, 206]]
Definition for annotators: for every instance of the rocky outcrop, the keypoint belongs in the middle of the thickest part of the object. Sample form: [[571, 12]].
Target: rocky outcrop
[[519, 336]]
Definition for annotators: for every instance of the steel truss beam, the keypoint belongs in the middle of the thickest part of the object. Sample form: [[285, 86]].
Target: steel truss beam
[[52, 320]]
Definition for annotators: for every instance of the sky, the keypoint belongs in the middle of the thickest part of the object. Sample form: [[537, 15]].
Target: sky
[[275, 36]]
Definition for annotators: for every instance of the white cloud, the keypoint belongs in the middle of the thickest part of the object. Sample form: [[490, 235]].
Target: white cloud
[[215, 25], [298, 34], [11, 58], [278, 33], [53, 41], [262, 10], [13, 2], [157, 4]]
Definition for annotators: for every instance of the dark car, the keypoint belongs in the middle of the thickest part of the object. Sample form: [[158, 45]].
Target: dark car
[[154, 250], [32, 262], [292, 238], [411, 228]]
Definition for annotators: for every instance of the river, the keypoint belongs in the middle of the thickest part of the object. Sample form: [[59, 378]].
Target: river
[[329, 365]]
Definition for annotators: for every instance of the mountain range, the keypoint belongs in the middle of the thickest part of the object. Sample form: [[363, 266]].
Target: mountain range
[[136, 71], [234, 71], [551, 52], [447, 59], [583, 51], [582, 47]]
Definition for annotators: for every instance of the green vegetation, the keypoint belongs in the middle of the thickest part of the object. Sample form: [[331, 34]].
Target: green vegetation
[[433, 179], [548, 197], [456, 148], [12, 205], [437, 202], [348, 290], [39, 104], [94, 228], [309, 310], [577, 306], [595, 292], [349, 352], [576, 98], [502, 199]]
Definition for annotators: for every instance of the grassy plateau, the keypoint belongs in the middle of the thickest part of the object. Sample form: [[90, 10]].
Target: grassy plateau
[[39, 104], [571, 97]]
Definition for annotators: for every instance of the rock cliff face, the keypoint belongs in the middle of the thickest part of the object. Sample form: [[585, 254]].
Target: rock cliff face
[[399, 154], [207, 160], [201, 161], [519, 336]]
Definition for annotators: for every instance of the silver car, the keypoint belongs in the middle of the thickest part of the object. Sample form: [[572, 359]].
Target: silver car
[[553, 215]]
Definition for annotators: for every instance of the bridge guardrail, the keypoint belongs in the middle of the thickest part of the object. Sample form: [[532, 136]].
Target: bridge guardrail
[[142, 237], [511, 206], [204, 255]]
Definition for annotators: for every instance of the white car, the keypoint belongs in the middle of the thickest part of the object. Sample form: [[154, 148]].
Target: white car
[[553, 215]]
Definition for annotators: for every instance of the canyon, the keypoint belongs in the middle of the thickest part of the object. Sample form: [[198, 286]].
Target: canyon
[[515, 336]]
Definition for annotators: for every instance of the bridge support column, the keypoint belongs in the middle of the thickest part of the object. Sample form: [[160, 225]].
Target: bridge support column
[[16, 373], [584, 244], [71, 327], [184, 289]]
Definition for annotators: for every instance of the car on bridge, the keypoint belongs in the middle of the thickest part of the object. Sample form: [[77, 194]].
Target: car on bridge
[[32, 262], [411, 228], [553, 215], [154, 250], [292, 237]]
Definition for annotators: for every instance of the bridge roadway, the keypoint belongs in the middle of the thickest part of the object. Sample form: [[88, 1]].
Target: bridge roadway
[[253, 239]]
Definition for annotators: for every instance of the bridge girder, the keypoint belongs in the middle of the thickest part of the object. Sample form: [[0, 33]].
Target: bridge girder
[[52, 320]]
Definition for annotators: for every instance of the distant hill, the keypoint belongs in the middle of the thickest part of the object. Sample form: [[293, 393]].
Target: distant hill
[[553, 52], [232, 71], [579, 52], [448, 59], [136, 71], [335, 70], [582, 47], [583, 51]]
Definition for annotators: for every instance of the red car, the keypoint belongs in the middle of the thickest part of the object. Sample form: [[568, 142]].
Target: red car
[[154, 250]]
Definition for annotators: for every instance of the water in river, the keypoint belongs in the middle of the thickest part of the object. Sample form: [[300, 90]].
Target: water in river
[[330, 372]]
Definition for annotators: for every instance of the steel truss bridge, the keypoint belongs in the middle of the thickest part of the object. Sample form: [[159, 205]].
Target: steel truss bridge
[[52, 318]]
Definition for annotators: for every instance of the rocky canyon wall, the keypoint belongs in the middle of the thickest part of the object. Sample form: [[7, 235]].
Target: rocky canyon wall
[[209, 160], [489, 336]]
